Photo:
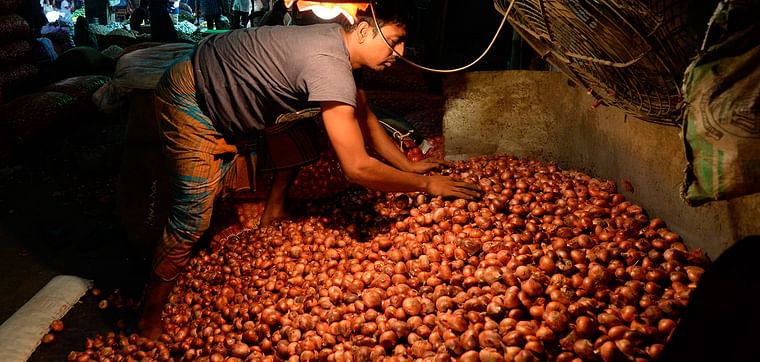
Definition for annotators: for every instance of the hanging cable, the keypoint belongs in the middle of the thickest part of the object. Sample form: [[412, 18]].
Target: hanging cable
[[488, 48]]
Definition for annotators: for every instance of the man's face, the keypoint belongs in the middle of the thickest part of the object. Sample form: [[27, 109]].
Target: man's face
[[377, 54]]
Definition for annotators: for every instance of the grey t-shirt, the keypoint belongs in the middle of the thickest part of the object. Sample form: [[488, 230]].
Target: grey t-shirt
[[246, 78]]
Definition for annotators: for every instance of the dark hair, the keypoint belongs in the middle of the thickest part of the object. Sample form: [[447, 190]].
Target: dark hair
[[399, 12]]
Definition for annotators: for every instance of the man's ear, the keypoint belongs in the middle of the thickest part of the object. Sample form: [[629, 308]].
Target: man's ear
[[363, 31]]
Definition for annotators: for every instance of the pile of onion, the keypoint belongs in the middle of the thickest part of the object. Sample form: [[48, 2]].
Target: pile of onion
[[322, 179], [433, 148], [548, 265]]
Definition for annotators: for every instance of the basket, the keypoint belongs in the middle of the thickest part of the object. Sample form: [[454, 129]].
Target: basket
[[628, 54]]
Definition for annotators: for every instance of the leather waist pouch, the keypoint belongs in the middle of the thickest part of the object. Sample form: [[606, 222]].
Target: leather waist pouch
[[295, 140]]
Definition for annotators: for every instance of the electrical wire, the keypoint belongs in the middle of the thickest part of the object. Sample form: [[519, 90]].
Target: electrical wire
[[422, 67]]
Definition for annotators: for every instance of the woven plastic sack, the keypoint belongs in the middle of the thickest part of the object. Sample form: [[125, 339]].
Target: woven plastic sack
[[13, 26], [19, 51], [142, 196], [9, 6], [32, 118], [14, 73], [113, 51], [6, 151], [138, 68], [119, 37], [722, 119], [83, 61], [142, 68], [81, 88]]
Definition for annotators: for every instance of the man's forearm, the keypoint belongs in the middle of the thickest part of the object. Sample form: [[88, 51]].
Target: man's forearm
[[377, 175], [382, 143], [389, 150]]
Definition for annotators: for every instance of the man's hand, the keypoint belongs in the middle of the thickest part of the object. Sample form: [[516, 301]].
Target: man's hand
[[427, 165], [447, 186]]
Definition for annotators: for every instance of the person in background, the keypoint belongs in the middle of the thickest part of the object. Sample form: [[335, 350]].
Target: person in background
[[211, 10], [59, 32], [83, 36], [139, 15], [241, 13], [260, 7], [161, 23], [34, 15], [277, 15], [212, 104], [48, 6], [66, 9]]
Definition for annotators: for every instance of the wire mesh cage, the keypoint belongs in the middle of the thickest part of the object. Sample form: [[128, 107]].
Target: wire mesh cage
[[628, 54]]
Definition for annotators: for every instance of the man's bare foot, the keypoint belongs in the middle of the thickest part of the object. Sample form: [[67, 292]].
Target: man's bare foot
[[149, 325], [275, 207], [148, 329], [270, 217]]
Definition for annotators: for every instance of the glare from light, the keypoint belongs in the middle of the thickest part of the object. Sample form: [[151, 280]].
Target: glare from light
[[53, 16], [329, 10], [327, 13]]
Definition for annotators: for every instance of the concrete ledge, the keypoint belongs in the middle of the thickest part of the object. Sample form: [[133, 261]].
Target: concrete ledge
[[531, 114]]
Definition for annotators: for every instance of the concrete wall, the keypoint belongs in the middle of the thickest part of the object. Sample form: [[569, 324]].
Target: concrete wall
[[540, 115]]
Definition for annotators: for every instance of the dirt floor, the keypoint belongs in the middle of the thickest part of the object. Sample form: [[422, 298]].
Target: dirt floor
[[58, 219]]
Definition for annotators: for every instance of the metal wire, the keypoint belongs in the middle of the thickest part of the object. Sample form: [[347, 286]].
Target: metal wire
[[488, 48]]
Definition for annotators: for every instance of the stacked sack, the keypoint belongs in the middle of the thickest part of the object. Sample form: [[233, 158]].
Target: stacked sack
[[36, 109], [16, 60]]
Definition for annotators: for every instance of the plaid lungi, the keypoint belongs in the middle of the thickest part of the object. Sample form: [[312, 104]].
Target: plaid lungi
[[203, 165], [198, 159]]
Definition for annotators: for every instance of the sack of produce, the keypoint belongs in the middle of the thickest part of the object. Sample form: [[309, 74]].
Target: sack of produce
[[142, 126], [16, 51], [142, 196], [9, 6], [119, 37], [33, 118], [83, 61], [721, 126], [13, 26], [142, 68], [113, 51], [15, 73], [17, 79], [81, 88], [6, 151]]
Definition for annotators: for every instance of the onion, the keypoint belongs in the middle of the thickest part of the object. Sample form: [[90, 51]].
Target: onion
[[388, 339], [240, 350], [609, 352], [372, 297], [489, 338], [584, 349], [48, 338], [547, 265], [56, 326]]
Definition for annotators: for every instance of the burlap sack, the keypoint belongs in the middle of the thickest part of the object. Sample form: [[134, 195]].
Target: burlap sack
[[722, 120]]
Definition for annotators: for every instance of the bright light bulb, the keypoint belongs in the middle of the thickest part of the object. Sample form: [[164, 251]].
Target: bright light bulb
[[329, 12], [52, 16]]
